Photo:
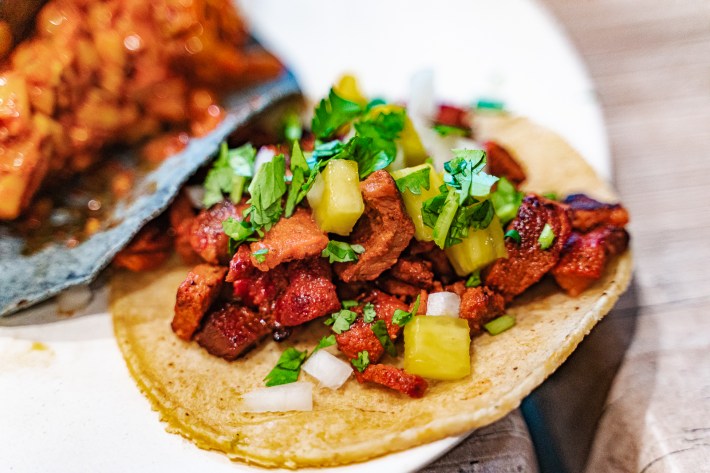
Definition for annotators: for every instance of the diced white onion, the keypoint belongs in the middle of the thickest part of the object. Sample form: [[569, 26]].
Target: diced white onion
[[195, 194], [74, 299], [328, 369], [443, 303], [263, 156], [286, 397]]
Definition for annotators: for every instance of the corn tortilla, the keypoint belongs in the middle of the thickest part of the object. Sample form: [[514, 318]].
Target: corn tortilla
[[198, 395]]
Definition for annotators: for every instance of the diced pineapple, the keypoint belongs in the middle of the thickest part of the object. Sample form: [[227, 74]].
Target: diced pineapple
[[335, 197], [437, 347], [347, 88], [413, 202], [478, 249], [414, 152]]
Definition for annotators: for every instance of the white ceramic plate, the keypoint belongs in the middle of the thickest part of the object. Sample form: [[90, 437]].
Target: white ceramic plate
[[70, 405]]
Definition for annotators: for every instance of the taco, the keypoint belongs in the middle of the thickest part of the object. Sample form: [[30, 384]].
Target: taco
[[202, 396]]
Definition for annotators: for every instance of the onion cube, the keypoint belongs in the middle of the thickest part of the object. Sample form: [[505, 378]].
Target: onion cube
[[443, 303], [328, 369]]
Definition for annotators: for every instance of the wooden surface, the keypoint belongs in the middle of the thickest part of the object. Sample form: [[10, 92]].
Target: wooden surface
[[650, 62]]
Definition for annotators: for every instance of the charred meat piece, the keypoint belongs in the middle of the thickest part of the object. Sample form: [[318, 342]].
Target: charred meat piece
[[394, 378], [294, 292], [453, 116], [527, 262], [440, 264], [416, 272], [257, 289], [195, 296], [384, 230], [309, 294], [587, 213], [207, 235], [231, 330], [149, 249], [480, 305], [385, 306], [407, 277], [360, 337], [294, 238], [585, 256], [502, 164], [181, 216]]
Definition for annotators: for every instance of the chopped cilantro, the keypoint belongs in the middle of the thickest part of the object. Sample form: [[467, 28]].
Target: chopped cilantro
[[299, 171], [287, 368], [414, 181], [341, 320], [331, 114], [379, 328], [445, 219], [461, 203], [292, 129], [474, 280], [260, 255], [547, 236], [238, 231], [229, 174], [374, 103], [506, 200], [367, 154], [448, 130], [368, 312], [327, 341], [402, 317], [513, 235], [341, 252], [266, 189], [349, 304], [362, 360], [550, 195], [379, 150], [500, 324], [490, 104]]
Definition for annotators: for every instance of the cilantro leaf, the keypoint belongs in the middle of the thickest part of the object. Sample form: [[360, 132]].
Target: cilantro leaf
[[327, 341], [445, 219], [341, 252], [229, 174], [266, 189], [349, 304], [299, 171], [474, 280], [362, 360], [550, 195], [260, 255], [379, 328], [237, 230], [331, 114], [368, 312], [368, 155], [402, 317], [513, 235], [414, 182], [547, 237], [292, 128], [383, 130], [341, 320], [506, 200], [448, 130], [287, 368]]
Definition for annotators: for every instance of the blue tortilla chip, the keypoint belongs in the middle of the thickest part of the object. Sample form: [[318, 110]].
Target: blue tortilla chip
[[28, 279]]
